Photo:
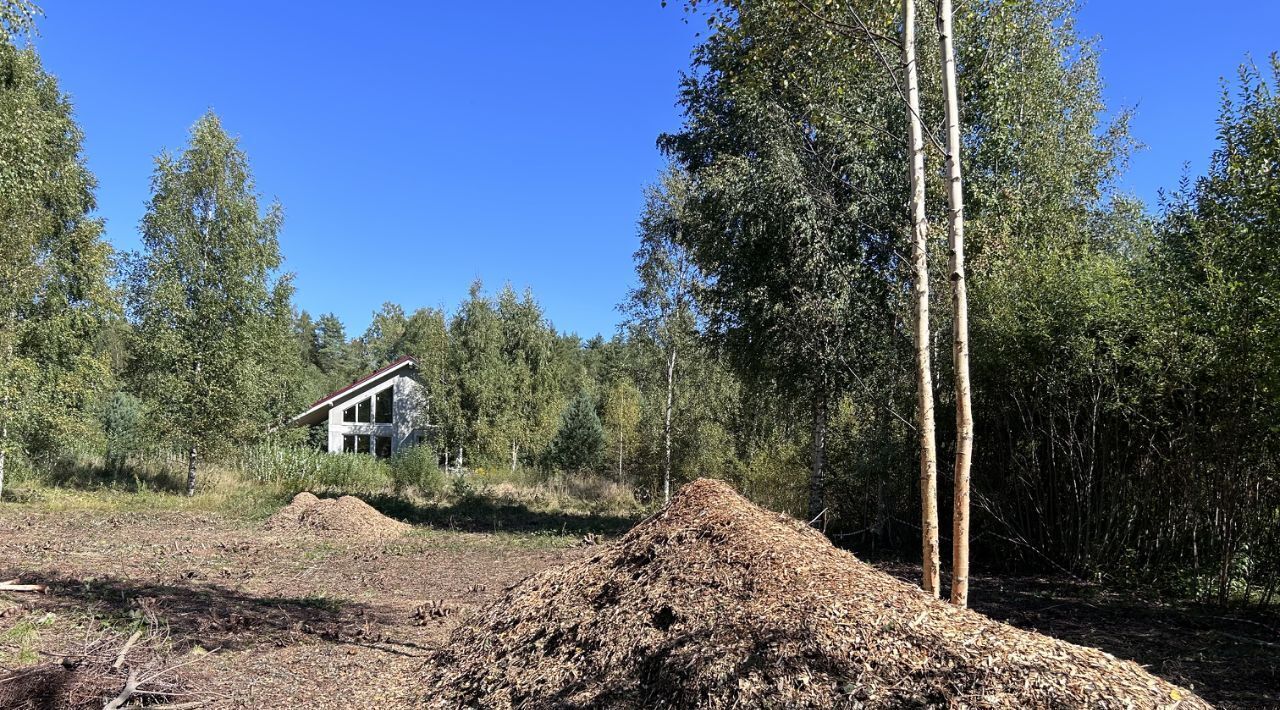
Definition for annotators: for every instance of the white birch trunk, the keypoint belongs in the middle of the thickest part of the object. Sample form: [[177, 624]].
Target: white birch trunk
[[920, 294], [191, 472], [818, 463], [960, 304], [4, 446], [666, 427]]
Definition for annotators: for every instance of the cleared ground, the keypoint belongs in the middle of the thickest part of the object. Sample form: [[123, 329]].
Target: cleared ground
[[244, 617]]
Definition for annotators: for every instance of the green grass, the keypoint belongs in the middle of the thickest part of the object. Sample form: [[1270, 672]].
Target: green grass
[[22, 640]]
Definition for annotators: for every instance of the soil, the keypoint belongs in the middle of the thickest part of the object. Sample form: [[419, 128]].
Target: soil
[[247, 618]]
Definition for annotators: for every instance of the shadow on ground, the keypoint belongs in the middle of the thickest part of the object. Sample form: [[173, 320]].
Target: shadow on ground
[[212, 615], [129, 479], [485, 515], [1231, 658]]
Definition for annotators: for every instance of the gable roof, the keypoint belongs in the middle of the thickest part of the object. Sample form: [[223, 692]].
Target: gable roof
[[329, 399]]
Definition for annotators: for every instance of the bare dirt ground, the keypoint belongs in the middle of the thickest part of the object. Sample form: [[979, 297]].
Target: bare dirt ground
[[249, 618]]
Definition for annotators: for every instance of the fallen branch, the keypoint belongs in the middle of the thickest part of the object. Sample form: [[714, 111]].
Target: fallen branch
[[13, 586], [129, 687], [125, 649]]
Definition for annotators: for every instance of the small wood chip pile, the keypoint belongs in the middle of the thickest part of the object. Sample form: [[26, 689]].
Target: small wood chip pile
[[714, 602], [347, 517]]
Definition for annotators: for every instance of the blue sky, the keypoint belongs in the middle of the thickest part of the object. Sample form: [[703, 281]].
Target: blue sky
[[419, 146]]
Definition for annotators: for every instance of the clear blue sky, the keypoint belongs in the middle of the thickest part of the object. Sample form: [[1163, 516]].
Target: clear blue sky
[[418, 146]]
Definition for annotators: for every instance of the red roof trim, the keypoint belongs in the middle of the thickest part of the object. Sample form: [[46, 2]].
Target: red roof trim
[[362, 380]]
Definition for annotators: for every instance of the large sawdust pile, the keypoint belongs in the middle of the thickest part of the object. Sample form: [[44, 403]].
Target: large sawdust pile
[[347, 516], [715, 602]]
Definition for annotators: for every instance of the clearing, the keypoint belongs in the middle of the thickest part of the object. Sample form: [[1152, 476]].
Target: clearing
[[239, 616]]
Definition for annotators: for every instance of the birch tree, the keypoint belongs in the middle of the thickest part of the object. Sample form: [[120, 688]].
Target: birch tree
[[920, 301], [210, 310], [662, 307], [960, 316], [55, 300]]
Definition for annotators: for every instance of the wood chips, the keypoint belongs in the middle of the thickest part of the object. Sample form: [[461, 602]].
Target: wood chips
[[347, 517], [715, 602]]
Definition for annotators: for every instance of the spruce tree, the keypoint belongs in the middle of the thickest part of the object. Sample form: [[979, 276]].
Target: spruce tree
[[579, 444]]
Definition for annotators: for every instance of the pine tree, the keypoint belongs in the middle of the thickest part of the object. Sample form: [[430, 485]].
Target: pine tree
[[212, 314]]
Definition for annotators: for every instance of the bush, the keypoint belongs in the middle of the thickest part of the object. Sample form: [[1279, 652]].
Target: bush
[[416, 467]]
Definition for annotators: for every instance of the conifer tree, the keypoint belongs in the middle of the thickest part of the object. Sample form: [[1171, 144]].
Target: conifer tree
[[579, 444]]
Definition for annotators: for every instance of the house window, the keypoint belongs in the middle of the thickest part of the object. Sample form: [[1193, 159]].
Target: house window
[[362, 443], [349, 414], [383, 447], [348, 444], [383, 409], [364, 409]]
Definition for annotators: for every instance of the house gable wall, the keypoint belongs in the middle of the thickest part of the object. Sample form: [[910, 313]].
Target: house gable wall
[[409, 413]]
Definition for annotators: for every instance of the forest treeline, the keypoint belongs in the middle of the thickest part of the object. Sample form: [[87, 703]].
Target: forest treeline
[[1125, 362]]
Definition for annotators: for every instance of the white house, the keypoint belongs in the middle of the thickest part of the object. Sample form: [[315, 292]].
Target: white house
[[378, 414]]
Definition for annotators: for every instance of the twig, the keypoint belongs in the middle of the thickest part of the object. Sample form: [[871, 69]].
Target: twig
[[125, 649], [129, 686], [170, 669]]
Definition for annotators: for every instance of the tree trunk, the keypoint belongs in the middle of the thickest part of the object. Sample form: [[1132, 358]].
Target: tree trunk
[[191, 472], [920, 292], [818, 465], [666, 427], [515, 451], [960, 305], [4, 448], [619, 452]]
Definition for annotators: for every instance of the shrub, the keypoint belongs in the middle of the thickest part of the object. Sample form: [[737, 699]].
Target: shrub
[[416, 467]]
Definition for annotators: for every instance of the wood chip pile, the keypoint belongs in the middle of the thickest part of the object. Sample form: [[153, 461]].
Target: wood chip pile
[[347, 517], [714, 602]]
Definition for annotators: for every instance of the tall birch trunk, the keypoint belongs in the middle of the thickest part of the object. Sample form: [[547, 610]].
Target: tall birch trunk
[[4, 405], [4, 447], [920, 293], [191, 472], [666, 427], [817, 476], [960, 304]]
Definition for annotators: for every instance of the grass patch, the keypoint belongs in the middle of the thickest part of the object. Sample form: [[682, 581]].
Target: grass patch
[[22, 640]]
